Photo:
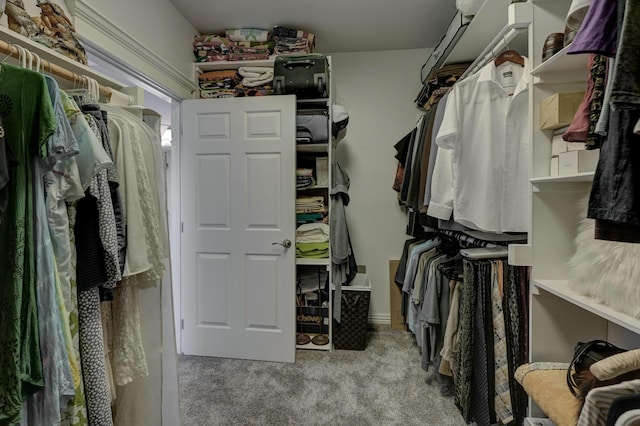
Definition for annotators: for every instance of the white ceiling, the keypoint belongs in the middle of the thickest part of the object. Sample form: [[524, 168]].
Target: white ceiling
[[339, 25]]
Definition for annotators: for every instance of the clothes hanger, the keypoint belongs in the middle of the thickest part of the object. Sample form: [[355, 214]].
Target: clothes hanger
[[38, 63], [11, 47], [29, 59], [509, 56], [22, 57], [96, 90], [80, 94]]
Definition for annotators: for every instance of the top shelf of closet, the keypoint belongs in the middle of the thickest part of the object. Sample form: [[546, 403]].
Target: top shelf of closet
[[561, 68], [226, 65], [54, 57], [491, 19]]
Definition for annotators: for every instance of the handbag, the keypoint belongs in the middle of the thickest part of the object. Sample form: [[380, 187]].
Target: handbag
[[584, 355]]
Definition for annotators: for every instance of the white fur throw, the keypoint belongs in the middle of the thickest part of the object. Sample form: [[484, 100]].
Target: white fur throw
[[606, 270]]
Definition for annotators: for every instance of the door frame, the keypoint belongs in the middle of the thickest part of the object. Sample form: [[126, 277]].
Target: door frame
[[117, 69]]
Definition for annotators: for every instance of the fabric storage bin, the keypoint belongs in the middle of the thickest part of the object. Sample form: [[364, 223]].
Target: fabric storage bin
[[310, 317], [351, 332]]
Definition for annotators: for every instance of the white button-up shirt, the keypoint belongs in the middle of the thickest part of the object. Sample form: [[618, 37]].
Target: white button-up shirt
[[486, 127]]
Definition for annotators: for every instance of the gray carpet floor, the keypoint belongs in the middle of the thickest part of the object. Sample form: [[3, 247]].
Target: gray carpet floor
[[383, 385]]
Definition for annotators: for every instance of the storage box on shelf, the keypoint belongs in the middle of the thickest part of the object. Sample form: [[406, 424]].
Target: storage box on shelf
[[558, 144], [557, 110], [571, 163]]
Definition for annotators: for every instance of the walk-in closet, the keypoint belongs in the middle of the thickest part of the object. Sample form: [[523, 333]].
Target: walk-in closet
[[285, 213]]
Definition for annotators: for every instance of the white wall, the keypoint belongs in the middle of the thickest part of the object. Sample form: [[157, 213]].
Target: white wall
[[149, 35], [377, 89]]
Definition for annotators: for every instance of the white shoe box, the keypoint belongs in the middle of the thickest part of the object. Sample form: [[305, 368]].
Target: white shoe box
[[558, 145], [574, 162], [554, 169]]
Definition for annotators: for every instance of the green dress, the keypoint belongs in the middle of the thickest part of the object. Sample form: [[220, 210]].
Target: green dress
[[28, 119]]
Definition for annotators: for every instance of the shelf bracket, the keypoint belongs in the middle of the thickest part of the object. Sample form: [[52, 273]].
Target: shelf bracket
[[519, 19], [535, 290]]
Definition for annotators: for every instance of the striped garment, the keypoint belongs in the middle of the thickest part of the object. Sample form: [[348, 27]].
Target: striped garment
[[596, 405]]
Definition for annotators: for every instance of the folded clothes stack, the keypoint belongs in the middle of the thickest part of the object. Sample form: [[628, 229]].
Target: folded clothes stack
[[243, 82], [310, 210], [218, 84], [310, 205], [309, 218], [209, 48], [250, 44], [256, 81], [250, 50], [312, 241], [289, 41], [242, 44], [304, 178]]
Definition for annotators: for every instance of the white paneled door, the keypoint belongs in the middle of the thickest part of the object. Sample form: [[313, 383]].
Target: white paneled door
[[238, 214]]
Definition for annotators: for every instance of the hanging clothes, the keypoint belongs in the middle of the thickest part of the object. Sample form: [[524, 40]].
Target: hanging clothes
[[485, 126], [28, 120], [45, 407], [344, 267], [94, 223], [617, 213], [59, 201]]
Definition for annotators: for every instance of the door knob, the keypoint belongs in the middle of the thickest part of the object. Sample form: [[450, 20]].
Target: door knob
[[285, 243]]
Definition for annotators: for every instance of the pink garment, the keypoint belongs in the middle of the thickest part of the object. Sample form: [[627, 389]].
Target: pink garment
[[579, 127]]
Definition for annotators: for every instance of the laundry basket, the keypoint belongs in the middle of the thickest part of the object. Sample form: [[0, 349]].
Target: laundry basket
[[351, 332]]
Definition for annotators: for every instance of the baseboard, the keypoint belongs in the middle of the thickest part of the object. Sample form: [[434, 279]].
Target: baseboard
[[380, 319]]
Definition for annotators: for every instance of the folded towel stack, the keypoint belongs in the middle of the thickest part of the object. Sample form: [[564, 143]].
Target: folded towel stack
[[310, 204], [312, 240]]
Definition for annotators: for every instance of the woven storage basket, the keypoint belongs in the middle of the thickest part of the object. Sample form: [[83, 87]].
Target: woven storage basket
[[351, 332]]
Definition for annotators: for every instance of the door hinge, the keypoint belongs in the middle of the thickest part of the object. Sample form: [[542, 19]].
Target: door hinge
[[182, 324], [181, 226]]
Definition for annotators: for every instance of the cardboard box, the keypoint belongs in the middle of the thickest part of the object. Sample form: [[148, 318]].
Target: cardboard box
[[557, 110], [554, 169], [395, 297], [574, 162]]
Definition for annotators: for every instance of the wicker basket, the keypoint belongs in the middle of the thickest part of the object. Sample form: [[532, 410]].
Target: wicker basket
[[351, 332]]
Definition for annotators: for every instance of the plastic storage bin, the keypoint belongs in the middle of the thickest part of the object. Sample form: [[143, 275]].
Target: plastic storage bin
[[351, 332]]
